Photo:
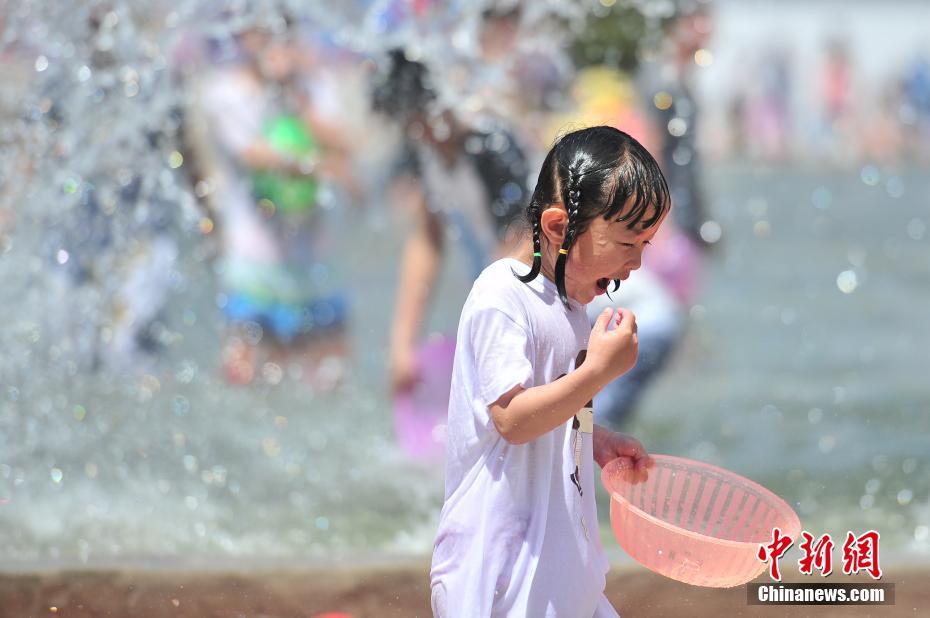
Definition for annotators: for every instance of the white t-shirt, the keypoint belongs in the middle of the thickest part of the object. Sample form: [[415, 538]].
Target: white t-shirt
[[235, 106], [516, 536]]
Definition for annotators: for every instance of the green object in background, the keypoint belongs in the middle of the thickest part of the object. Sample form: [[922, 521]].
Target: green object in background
[[616, 35], [290, 194]]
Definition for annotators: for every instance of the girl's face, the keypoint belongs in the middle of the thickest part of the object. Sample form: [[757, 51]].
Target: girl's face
[[607, 250]]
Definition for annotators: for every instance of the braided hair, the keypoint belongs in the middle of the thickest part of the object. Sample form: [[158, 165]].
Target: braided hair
[[599, 171]]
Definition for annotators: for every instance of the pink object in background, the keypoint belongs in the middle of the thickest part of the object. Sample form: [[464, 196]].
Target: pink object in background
[[694, 522], [420, 414], [675, 259]]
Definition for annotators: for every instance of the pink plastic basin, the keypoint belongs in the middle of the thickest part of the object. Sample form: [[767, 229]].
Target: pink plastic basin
[[694, 522], [420, 415]]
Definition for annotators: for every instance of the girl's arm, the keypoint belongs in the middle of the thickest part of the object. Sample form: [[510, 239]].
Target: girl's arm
[[522, 415]]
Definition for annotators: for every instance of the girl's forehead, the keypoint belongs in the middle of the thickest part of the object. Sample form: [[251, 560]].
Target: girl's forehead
[[638, 229]]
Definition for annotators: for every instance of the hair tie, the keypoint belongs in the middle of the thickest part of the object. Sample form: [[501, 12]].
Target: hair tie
[[537, 254], [563, 251]]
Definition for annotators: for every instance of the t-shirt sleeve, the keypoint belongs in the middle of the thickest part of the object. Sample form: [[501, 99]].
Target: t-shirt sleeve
[[502, 348]]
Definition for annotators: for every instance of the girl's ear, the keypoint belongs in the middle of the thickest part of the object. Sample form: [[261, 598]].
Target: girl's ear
[[553, 222]]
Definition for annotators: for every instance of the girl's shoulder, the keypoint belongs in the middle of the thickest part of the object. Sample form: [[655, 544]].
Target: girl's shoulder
[[497, 288], [501, 276]]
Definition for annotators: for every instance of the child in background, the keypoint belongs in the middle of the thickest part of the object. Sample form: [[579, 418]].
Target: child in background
[[518, 533], [463, 182], [268, 153]]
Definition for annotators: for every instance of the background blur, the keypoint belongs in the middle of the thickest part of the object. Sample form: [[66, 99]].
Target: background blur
[[125, 437]]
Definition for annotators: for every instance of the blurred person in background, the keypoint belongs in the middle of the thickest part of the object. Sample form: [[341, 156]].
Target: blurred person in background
[[835, 89], [881, 138], [265, 156], [668, 82], [512, 70], [915, 108], [460, 182], [767, 113]]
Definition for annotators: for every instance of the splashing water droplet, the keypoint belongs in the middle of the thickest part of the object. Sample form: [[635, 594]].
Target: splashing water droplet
[[916, 229], [711, 232], [870, 175], [677, 127], [847, 282]]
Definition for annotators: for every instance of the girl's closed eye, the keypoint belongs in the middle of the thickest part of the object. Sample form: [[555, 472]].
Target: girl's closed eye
[[630, 244]]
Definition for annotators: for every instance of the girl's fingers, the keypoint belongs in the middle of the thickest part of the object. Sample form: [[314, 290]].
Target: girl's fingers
[[628, 322], [603, 320]]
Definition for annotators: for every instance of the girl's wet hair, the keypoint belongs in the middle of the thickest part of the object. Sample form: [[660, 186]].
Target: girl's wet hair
[[595, 172]]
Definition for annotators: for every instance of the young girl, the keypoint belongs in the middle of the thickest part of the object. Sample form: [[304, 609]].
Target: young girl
[[518, 534]]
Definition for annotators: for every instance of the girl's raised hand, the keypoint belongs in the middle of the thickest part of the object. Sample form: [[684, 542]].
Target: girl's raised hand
[[612, 351]]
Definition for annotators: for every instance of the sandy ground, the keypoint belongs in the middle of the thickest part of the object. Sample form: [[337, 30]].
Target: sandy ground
[[381, 592]]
